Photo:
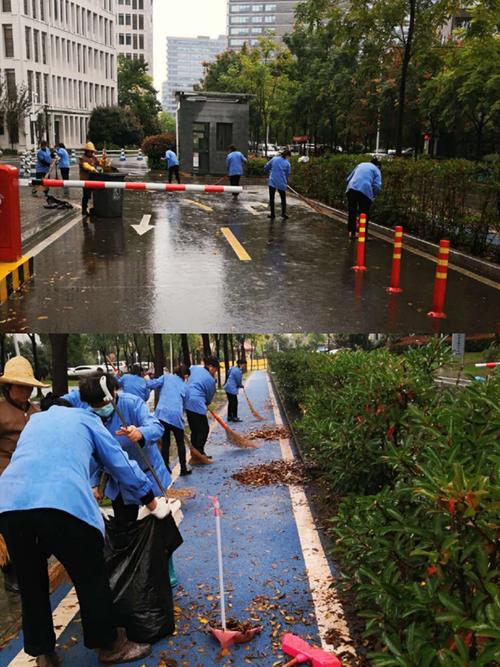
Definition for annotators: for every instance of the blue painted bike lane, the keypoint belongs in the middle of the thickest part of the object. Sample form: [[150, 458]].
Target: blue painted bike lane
[[265, 573]]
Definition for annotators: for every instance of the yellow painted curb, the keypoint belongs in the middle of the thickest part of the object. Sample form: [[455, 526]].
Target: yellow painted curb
[[13, 275]]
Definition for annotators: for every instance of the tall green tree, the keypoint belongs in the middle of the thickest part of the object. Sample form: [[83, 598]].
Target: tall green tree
[[137, 92]]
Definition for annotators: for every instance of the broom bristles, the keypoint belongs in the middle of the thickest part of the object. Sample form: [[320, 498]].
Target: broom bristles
[[239, 440], [181, 494], [4, 554], [199, 457], [254, 412]]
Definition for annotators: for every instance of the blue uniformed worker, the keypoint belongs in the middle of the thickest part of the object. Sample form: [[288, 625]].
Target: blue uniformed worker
[[233, 384], [47, 507], [172, 165], [201, 388], [142, 429], [279, 170], [170, 412], [134, 383], [363, 184], [235, 162]]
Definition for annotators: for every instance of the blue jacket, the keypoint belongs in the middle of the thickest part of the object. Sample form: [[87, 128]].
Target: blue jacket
[[171, 159], [173, 391], [365, 178], [234, 380], [201, 388], [133, 384], [279, 170], [50, 467], [235, 163], [64, 161], [136, 413], [73, 397], [43, 161]]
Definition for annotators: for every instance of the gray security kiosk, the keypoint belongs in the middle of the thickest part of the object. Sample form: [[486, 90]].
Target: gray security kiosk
[[207, 124]]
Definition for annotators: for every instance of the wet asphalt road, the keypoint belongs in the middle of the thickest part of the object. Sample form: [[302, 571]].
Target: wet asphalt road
[[183, 275]]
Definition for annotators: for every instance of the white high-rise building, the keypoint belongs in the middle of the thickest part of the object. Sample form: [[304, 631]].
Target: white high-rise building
[[135, 29], [64, 52], [247, 22], [185, 58]]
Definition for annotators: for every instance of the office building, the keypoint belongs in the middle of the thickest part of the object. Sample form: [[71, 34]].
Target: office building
[[64, 53], [185, 59], [248, 21], [135, 29]]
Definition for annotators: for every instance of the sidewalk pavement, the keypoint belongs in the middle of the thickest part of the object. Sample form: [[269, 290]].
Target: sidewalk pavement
[[267, 577]]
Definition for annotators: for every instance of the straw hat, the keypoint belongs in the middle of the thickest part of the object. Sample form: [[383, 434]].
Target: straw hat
[[89, 146], [18, 370]]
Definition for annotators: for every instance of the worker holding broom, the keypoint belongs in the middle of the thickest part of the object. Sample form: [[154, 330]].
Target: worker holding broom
[[363, 184], [18, 381], [133, 382], [234, 382], [143, 428], [235, 162], [279, 170], [170, 412], [47, 507], [201, 389]]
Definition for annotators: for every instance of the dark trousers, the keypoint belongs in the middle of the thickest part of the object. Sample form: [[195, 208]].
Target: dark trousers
[[64, 173], [174, 171], [358, 203], [87, 194], [31, 537], [179, 439], [232, 406], [199, 430], [124, 514], [272, 195], [234, 180], [40, 175]]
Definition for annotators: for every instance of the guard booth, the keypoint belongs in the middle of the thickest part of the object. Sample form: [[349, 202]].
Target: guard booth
[[207, 124]]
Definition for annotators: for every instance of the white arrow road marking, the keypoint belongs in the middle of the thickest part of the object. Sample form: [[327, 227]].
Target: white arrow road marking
[[144, 226]]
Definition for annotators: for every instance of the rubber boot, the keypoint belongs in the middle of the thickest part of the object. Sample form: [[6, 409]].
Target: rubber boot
[[123, 650], [10, 578], [171, 573]]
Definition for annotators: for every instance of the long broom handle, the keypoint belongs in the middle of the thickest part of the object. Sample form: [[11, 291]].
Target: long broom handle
[[219, 419], [217, 513]]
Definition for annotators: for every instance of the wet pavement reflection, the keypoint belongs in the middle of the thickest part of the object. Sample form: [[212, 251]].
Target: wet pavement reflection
[[184, 276]]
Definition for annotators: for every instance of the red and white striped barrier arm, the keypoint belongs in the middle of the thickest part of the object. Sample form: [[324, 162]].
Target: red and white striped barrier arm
[[113, 185], [490, 364]]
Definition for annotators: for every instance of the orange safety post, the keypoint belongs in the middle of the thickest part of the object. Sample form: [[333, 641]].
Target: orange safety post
[[440, 281], [10, 215], [360, 260], [396, 262]]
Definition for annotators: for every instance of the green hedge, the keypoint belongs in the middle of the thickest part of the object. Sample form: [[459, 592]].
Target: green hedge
[[454, 199], [415, 530]]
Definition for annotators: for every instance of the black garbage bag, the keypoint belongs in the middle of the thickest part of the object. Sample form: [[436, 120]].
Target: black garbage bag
[[137, 557]]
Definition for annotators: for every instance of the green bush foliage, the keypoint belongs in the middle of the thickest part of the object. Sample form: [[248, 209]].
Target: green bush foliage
[[454, 199], [114, 126], [155, 147], [416, 530], [255, 166]]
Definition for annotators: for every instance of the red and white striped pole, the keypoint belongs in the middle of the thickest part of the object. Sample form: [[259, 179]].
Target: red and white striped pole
[[489, 364], [113, 185], [396, 262], [360, 260], [440, 281]]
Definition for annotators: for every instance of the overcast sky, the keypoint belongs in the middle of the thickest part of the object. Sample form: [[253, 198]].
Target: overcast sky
[[184, 18]]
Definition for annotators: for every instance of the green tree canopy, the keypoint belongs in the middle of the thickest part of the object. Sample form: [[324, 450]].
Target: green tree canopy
[[114, 126], [137, 92]]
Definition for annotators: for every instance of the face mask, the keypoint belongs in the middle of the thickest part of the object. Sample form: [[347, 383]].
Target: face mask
[[105, 411]]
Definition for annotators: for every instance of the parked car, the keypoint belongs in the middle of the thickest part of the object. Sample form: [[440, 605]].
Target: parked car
[[84, 371]]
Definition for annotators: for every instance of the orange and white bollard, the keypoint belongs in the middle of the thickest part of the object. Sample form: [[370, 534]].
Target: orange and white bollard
[[440, 281], [396, 262], [489, 364], [360, 260]]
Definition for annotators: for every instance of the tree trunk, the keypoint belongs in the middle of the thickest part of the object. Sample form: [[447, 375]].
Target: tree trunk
[[225, 345], [242, 352], [207, 350], [2, 352], [404, 77], [59, 347], [36, 363], [159, 354], [217, 352], [231, 345], [186, 357]]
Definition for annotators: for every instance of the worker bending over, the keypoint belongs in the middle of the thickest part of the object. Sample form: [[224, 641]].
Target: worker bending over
[[201, 388]]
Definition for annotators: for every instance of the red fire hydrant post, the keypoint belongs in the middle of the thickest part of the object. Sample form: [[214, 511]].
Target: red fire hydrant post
[[396, 262], [440, 281], [10, 215], [360, 260]]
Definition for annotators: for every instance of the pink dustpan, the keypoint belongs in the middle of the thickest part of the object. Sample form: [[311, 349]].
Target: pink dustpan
[[302, 652]]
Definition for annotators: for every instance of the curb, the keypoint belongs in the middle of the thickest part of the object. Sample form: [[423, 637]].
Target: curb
[[13, 275], [457, 259]]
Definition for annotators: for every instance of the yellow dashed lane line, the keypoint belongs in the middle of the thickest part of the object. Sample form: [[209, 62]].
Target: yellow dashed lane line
[[203, 207], [236, 245]]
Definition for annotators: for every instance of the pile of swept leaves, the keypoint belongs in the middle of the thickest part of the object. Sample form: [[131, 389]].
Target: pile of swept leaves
[[272, 474], [269, 433]]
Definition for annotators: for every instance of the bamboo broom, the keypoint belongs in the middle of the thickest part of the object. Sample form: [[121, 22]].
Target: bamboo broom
[[233, 437], [254, 412], [198, 456]]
